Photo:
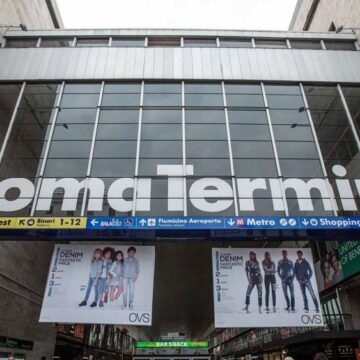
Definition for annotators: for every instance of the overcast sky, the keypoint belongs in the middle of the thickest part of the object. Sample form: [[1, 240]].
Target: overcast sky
[[198, 14]]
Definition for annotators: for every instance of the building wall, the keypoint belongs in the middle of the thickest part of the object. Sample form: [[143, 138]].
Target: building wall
[[341, 12], [23, 273], [24, 265], [34, 14]]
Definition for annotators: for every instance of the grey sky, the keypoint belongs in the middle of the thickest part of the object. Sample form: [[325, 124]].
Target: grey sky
[[200, 14]]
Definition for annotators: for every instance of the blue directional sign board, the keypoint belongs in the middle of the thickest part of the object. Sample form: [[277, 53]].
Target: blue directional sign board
[[223, 222]]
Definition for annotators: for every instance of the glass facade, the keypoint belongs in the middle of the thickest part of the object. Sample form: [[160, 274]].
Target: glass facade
[[185, 148]]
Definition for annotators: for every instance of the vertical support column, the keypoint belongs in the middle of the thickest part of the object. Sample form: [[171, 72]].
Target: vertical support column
[[47, 147], [232, 170], [348, 115], [92, 147], [318, 149], [11, 122], [183, 145], [253, 42], [182, 42], [217, 42], [138, 148], [110, 41], [288, 44], [278, 168], [323, 47], [38, 43]]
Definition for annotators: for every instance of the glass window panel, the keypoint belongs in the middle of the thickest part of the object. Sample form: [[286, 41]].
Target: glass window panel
[[161, 116], [164, 99], [306, 44], [128, 42], [120, 100], [55, 209], [274, 44], [21, 42], [117, 132], [339, 149], [263, 207], [25, 150], [292, 133], [113, 168], [204, 116], [161, 149], [235, 43], [76, 116], [339, 45], [285, 102], [249, 132], [282, 89], [163, 42], [85, 42], [252, 149], [148, 167], [293, 206], [247, 117], [248, 168], [234, 88], [118, 116], [159, 207], [79, 100], [207, 149], [115, 149], [89, 88], [194, 211], [39, 96], [68, 168], [352, 96], [210, 167], [162, 88], [293, 150], [8, 97], [69, 149], [122, 88], [24, 131], [161, 132], [210, 100], [244, 100], [205, 132], [279, 117], [203, 88], [73, 132], [200, 42], [56, 42], [301, 168]]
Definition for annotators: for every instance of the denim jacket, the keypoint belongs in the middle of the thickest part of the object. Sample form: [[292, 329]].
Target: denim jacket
[[105, 269], [131, 268], [95, 268], [285, 270], [303, 270]]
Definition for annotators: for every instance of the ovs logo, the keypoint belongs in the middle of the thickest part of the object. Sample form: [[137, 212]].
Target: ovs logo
[[139, 318]]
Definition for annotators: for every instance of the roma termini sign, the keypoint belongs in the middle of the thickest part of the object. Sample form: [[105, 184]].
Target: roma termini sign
[[209, 195]]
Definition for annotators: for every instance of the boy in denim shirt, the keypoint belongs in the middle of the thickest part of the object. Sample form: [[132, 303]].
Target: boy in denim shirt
[[285, 269], [131, 274], [303, 273]]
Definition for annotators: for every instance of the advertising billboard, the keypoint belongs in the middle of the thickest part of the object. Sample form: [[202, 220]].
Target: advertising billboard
[[98, 284], [265, 288], [338, 264]]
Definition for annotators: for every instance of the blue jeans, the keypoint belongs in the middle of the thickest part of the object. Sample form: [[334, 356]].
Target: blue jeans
[[102, 286], [129, 291], [250, 289], [90, 285], [285, 285], [306, 284]]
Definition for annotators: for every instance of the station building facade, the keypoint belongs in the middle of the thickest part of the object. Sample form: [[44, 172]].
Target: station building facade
[[184, 123]]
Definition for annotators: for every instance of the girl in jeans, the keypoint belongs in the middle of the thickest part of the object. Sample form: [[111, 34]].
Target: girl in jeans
[[104, 279], [270, 280], [95, 271], [117, 274], [254, 277]]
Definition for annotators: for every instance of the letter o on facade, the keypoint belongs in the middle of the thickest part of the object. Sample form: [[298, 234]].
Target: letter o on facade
[[26, 189]]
